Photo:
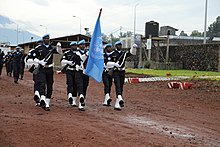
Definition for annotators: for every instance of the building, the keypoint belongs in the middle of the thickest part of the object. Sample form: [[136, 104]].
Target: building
[[167, 30], [5, 47]]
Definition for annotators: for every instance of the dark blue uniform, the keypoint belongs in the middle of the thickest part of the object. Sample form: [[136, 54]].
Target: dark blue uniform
[[22, 66], [74, 76], [106, 78], [1, 61], [119, 57], [8, 63], [31, 55], [119, 73], [16, 60], [45, 75]]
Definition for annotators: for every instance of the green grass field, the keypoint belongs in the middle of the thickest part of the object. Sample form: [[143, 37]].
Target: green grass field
[[164, 73]]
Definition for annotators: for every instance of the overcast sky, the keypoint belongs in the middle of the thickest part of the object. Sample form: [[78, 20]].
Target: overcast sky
[[57, 15]]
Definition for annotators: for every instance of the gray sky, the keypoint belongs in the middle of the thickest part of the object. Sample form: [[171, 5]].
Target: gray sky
[[57, 15]]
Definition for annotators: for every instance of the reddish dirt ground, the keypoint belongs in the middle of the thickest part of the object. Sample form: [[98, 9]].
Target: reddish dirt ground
[[153, 116]]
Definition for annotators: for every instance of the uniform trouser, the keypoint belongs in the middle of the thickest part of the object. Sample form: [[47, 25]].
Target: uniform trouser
[[22, 70], [36, 83], [119, 78], [16, 70], [1, 66], [74, 81], [85, 84], [107, 81], [45, 81], [9, 67]]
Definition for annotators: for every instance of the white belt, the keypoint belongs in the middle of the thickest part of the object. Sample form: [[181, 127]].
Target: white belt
[[120, 69], [71, 68], [48, 66]]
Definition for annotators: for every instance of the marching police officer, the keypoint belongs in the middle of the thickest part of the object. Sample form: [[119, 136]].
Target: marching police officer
[[119, 58], [44, 75], [106, 78], [1, 60], [22, 64], [71, 60], [30, 61], [8, 63], [83, 53], [16, 60]]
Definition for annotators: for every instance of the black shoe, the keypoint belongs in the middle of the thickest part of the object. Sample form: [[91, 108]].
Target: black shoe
[[121, 103], [109, 102], [118, 109], [47, 108], [70, 101], [36, 99], [82, 101], [43, 104], [81, 109], [16, 82]]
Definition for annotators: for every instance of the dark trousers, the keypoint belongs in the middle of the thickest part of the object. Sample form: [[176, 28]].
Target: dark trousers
[[1, 66], [107, 81], [36, 83], [74, 81], [85, 84], [44, 79], [22, 70], [9, 67], [119, 78], [16, 70]]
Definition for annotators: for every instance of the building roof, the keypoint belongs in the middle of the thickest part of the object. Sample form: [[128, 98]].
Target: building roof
[[169, 27]]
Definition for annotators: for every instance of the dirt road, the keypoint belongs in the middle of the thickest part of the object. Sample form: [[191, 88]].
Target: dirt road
[[153, 116]]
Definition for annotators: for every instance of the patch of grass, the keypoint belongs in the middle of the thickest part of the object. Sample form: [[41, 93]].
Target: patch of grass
[[163, 73]]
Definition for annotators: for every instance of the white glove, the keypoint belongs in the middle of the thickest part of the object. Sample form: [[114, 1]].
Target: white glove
[[58, 44], [42, 62], [116, 64], [135, 46], [77, 67], [59, 49], [71, 63]]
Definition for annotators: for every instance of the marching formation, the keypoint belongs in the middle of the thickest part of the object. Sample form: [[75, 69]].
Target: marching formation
[[74, 63], [14, 63]]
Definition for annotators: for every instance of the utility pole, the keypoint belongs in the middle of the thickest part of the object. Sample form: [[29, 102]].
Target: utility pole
[[168, 45], [206, 2], [17, 34], [135, 21]]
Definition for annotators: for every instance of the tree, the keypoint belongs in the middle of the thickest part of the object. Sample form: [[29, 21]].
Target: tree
[[105, 38], [183, 34], [214, 28], [196, 33]]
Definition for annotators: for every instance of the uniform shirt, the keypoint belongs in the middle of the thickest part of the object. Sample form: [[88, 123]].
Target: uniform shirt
[[120, 56], [8, 58], [16, 56], [84, 58], [42, 51], [108, 58], [72, 56], [1, 57], [31, 55]]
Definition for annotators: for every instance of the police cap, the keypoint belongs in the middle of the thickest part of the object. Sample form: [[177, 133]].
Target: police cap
[[118, 43], [81, 42], [107, 45], [73, 43], [46, 36]]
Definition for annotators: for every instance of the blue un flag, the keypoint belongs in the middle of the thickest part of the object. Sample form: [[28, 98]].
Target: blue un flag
[[95, 64]]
